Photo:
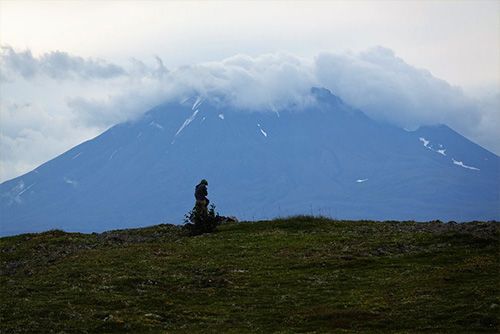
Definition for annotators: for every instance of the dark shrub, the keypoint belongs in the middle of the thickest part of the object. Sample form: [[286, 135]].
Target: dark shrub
[[202, 220]]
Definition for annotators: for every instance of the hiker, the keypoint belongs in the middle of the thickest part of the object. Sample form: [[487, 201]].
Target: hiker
[[200, 193]]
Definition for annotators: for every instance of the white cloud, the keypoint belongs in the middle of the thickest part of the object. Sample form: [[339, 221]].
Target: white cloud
[[94, 94], [386, 88], [261, 83], [57, 65], [455, 40], [30, 136]]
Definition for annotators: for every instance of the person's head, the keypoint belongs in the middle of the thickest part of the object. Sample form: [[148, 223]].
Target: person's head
[[205, 182]]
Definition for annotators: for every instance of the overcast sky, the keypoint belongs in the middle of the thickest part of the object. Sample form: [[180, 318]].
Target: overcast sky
[[71, 69]]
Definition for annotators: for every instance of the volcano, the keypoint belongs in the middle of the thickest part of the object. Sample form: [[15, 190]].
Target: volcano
[[325, 159]]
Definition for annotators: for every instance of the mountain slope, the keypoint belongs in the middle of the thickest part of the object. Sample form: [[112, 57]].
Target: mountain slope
[[329, 159]]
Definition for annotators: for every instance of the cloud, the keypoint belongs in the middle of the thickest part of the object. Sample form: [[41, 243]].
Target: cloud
[[30, 135], [388, 89], [56, 65], [269, 82], [376, 81], [486, 133], [132, 102], [276, 81]]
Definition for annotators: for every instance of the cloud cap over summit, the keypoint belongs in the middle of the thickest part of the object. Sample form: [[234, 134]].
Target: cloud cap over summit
[[99, 94]]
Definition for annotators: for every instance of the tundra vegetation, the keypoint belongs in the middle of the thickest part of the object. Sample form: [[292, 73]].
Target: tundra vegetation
[[291, 275]]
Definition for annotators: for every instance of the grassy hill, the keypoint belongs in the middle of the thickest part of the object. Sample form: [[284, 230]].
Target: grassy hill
[[295, 275]]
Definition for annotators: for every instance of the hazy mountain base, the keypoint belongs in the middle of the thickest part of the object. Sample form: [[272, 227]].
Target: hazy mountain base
[[294, 275]]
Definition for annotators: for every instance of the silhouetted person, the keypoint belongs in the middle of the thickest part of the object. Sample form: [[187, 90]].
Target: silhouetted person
[[200, 193]]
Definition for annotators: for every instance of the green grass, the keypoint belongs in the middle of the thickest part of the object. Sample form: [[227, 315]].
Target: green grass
[[295, 275]]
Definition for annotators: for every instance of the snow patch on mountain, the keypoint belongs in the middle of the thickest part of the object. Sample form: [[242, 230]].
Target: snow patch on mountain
[[264, 133], [426, 144], [72, 182], [197, 103], [461, 164], [273, 108], [159, 126], [187, 121], [112, 155], [443, 152], [27, 188]]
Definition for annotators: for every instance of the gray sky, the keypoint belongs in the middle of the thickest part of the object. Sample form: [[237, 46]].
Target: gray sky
[[71, 69]]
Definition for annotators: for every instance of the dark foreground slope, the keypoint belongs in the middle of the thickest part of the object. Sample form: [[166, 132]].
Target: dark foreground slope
[[294, 275]]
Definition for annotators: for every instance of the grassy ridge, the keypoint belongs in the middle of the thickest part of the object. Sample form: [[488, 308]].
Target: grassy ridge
[[295, 275]]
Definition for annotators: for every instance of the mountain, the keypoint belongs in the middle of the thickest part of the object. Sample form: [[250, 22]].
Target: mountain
[[327, 159]]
